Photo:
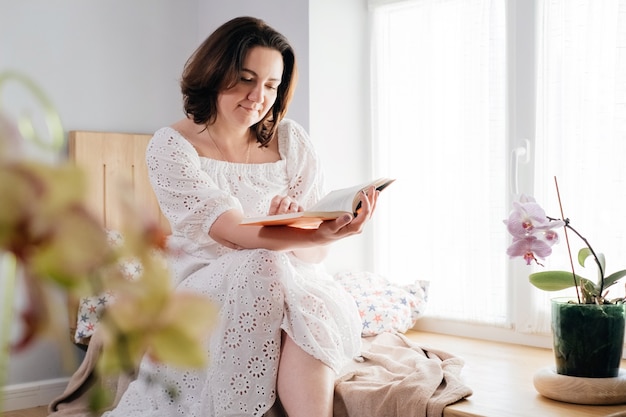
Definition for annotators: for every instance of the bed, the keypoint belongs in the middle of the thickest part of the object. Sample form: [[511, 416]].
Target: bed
[[393, 372]]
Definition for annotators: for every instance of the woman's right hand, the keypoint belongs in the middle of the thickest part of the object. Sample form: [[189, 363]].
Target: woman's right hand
[[283, 204]]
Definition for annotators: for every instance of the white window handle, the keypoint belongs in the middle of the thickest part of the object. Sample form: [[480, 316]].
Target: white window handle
[[520, 154]]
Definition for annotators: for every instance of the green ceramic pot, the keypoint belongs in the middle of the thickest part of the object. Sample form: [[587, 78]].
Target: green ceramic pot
[[588, 338]]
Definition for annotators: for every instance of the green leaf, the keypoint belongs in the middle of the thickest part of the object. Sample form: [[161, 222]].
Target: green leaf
[[120, 352], [555, 280], [99, 399], [583, 254], [613, 278], [177, 348]]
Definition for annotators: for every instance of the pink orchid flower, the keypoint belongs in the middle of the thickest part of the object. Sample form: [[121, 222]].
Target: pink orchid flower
[[525, 219], [533, 232], [530, 248]]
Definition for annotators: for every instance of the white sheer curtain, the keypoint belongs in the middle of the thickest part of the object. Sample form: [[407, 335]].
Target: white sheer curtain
[[439, 128], [581, 129]]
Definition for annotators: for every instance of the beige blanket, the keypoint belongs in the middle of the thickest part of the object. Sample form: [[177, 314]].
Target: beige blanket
[[393, 377], [397, 378], [74, 402]]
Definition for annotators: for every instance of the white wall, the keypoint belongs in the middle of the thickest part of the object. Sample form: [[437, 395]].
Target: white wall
[[115, 65], [339, 103]]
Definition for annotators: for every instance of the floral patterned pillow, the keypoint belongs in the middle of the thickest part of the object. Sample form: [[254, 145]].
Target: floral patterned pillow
[[91, 308], [385, 306]]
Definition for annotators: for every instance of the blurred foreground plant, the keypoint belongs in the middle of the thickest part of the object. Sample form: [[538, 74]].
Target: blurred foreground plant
[[51, 238]]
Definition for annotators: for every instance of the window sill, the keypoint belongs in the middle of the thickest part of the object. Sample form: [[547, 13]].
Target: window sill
[[501, 377]]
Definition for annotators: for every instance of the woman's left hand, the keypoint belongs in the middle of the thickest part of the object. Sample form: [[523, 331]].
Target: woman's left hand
[[348, 225]]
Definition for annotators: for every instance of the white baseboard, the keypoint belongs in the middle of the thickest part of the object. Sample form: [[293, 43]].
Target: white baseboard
[[32, 394]]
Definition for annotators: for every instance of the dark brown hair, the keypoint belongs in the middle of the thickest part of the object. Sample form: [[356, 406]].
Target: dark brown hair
[[216, 66]]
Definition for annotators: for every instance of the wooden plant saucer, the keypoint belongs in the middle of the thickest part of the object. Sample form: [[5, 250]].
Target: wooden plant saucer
[[578, 390]]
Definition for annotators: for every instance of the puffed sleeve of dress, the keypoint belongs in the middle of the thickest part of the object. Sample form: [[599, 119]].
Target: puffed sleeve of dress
[[306, 179], [188, 197]]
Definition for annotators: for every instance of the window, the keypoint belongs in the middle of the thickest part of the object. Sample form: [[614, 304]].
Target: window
[[474, 101]]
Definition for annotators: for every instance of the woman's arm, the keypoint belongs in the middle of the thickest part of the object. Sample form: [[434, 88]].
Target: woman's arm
[[310, 243], [285, 204]]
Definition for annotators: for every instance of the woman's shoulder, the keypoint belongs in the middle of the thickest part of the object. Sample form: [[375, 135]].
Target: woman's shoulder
[[167, 131], [166, 138], [292, 137], [168, 135], [289, 127]]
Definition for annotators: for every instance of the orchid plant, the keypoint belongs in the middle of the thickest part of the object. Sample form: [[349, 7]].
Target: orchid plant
[[53, 240], [534, 233]]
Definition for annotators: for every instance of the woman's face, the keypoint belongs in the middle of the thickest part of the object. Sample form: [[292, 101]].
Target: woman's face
[[246, 103]]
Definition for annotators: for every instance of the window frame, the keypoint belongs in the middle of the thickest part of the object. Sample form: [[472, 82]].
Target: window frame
[[522, 49], [519, 130]]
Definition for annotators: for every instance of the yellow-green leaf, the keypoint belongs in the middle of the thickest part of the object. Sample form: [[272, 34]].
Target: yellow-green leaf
[[177, 348]]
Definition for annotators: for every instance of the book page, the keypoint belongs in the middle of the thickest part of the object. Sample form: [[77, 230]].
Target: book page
[[338, 200], [347, 199]]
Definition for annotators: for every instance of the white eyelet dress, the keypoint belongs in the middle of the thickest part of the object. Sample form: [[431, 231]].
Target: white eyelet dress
[[260, 292]]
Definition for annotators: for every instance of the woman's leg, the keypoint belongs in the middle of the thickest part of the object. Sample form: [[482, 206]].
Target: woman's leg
[[305, 385]]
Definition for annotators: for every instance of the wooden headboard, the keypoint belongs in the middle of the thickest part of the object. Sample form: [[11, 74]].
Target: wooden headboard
[[107, 159]]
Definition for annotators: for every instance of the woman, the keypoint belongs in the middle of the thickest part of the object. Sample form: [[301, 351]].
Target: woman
[[285, 327]]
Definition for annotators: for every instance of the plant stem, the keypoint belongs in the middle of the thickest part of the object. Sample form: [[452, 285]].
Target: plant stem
[[595, 257], [569, 249], [8, 270]]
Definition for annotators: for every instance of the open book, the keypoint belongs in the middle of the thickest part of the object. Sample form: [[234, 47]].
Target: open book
[[333, 205]]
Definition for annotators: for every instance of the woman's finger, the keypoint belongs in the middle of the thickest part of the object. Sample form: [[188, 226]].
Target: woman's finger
[[284, 204], [288, 205]]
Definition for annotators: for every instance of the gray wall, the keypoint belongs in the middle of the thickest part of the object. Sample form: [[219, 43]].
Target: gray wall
[[106, 65], [114, 66]]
